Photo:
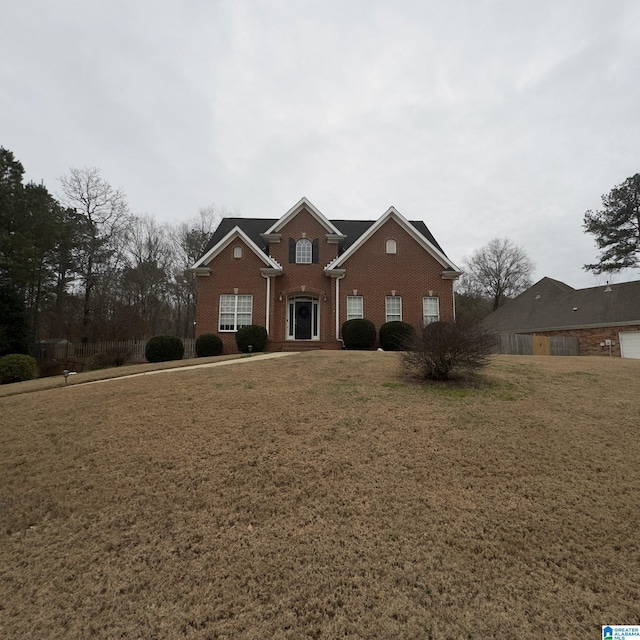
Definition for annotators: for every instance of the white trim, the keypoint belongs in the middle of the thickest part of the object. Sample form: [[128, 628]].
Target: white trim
[[304, 242], [386, 308], [424, 315], [389, 214], [361, 311], [236, 297], [234, 234], [338, 278], [302, 204], [290, 332]]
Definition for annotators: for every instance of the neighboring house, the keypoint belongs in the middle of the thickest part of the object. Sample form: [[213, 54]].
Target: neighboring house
[[602, 318], [301, 276]]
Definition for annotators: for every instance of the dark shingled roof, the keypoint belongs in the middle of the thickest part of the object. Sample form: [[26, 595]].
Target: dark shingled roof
[[253, 227], [551, 304], [353, 229]]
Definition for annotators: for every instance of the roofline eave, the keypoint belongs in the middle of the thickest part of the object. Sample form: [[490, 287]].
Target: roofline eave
[[236, 232], [570, 327]]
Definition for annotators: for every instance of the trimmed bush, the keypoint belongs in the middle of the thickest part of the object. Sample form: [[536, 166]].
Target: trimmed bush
[[396, 335], [254, 335], [164, 348], [208, 344], [444, 350], [358, 333], [17, 367]]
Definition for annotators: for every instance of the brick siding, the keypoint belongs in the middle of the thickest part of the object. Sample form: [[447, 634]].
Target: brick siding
[[589, 339], [411, 272]]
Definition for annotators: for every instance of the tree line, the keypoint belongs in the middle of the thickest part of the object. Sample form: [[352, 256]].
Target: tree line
[[81, 266]]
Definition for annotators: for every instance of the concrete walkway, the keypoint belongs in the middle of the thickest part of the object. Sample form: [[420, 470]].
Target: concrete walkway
[[262, 356]]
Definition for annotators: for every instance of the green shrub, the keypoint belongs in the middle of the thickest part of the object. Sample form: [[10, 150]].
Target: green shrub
[[396, 335], [254, 336], [358, 333], [17, 367], [208, 344], [443, 350], [163, 348]]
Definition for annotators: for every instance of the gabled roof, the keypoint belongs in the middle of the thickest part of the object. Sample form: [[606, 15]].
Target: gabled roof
[[297, 208], [350, 232], [552, 305], [235, 233], [252, 227], [411, 228], [353, 229]]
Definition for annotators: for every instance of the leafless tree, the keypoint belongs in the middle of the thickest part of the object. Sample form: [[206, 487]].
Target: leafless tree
[[189, 241], [104, 219], [145, 283], [499, 271]]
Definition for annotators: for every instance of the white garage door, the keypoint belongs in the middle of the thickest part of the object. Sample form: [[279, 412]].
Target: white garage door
[[630, 344]]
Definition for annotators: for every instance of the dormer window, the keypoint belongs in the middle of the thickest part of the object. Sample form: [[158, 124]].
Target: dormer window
[[392, 247], [237, 252], [303, 251]]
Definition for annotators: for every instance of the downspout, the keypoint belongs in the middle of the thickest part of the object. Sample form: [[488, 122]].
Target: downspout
[[453, 293], [268, 305], [338, 278]]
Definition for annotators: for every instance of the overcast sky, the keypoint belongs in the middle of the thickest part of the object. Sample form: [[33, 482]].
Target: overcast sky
[[484, 118]]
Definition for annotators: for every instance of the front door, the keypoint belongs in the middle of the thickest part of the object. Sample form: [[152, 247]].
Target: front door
[[303, 318], [303, 313]]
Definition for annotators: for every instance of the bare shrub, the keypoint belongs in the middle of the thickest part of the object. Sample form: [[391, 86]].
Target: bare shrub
[[107, 359], [444, 350]]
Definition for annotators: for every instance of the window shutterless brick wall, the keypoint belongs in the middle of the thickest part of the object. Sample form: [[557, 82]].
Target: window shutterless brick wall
[[411, 272], [227, 274]]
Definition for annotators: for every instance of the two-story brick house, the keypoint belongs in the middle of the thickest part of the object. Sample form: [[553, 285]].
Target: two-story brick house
[[302, 275]]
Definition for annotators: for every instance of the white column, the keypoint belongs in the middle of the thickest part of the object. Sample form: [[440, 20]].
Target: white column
[[338, 278], [268, 305]]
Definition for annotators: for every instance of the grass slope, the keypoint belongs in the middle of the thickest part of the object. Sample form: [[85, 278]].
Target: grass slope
[[324, 496]]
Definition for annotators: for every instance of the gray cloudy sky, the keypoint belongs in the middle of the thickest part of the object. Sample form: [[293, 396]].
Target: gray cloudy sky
[[483, 118]]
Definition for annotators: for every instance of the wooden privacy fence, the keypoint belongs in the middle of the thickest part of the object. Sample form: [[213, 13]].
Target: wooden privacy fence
[[522, 344], [131, 350]]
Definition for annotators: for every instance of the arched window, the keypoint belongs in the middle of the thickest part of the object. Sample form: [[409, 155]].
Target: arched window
[[303, 251], [237, 252], [392, 247]]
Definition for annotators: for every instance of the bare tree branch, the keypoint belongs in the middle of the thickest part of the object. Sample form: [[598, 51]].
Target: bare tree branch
[[500, 270]]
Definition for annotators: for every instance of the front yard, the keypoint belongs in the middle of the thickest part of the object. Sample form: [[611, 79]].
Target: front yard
[[323, 495]]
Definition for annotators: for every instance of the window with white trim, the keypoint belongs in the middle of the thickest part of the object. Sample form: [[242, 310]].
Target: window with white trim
[[392, 246], [430, 310], [393, 305], [355, 307], [304, 251], [235, 311], [237, 252]]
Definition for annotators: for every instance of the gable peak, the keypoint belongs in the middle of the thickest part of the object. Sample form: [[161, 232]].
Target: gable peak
[[303, 204]]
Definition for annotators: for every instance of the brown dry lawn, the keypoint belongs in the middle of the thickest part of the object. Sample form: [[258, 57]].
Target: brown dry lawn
[[324, 495]]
